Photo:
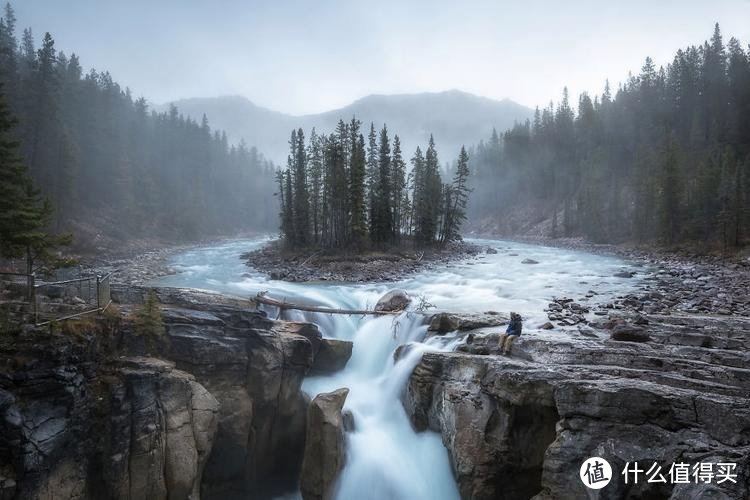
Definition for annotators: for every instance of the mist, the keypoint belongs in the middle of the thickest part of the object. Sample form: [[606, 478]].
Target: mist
[[297, 60]]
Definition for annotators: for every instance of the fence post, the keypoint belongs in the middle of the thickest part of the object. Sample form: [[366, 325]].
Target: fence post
[[98, 295]]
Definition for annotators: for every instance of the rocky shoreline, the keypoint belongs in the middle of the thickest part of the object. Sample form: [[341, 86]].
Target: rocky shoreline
[[672, 283], [376, 266]]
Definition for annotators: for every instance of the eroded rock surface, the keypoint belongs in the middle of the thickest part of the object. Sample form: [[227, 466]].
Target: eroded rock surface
[[74, 426], [220, 413], [521, 427], [254, 367], [161, 427]]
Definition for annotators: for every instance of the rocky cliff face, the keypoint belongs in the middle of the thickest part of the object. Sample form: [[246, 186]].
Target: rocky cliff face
[[157, 432], [71, 427], [214, 408], [521, 427]]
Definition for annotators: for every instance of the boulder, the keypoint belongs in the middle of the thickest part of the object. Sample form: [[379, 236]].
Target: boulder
[[395, 300], [629, 333], [529, 261], [324, 445], [332, 356], [491, 251], [547, 326], [624, 274], [443, 322], [402, 351]]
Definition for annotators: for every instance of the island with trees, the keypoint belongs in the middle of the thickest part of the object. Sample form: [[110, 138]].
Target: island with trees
[[351, 209]]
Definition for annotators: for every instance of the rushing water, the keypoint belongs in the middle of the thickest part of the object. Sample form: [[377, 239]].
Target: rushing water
[[385, 458]]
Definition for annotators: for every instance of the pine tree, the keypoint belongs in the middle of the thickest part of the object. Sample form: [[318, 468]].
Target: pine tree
[[399, 198], [149, 323], [284, 216], [357, 201], [288, 198], [8, 49], [670, 192], [315, 164], [457, 196], [433, 190], [381, 226], [298, 159], [371, 172]]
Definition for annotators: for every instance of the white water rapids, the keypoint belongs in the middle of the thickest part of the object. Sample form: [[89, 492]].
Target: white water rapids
[[385, 457]]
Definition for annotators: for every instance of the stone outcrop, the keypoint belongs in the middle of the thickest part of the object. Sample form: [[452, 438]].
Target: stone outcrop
[[216, 412], [161, 426], [324, 449], [521, 426], [444, 322], [254, 367], [395, 300], [73, 426], [332, 356]]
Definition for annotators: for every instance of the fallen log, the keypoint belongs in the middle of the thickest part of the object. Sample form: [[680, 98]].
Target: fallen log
[[281, 304]]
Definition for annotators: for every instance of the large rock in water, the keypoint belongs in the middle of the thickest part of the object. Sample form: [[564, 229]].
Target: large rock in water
[[444, 322], [332, 356], [324, 446], [521, 427], [395, 300]]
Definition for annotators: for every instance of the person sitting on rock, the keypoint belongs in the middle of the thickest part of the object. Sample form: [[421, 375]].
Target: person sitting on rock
[[514, 330]]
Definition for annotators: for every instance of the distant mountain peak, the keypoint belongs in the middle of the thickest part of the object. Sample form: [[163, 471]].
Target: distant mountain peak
[[454, 116]]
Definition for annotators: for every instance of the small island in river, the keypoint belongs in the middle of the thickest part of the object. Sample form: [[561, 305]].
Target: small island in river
[[352, 267]]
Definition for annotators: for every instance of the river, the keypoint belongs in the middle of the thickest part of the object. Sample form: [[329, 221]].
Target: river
[[385, 457]]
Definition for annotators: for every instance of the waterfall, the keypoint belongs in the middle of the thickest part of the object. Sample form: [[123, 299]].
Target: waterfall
[[385, 457]]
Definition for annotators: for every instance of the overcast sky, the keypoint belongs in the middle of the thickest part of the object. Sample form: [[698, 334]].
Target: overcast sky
[[310, 56]]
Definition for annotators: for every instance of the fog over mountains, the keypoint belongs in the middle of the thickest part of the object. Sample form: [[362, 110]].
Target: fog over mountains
[[455, 118]]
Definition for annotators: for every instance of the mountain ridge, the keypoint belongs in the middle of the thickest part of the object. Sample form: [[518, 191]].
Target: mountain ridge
[[454, 117]]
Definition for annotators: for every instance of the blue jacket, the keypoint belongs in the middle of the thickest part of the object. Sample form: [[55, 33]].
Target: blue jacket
[[514, 327]]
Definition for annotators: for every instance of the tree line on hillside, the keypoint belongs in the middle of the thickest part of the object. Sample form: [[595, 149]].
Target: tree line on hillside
[[342, 191], [665, 159], [110, 165], [24, 214]]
